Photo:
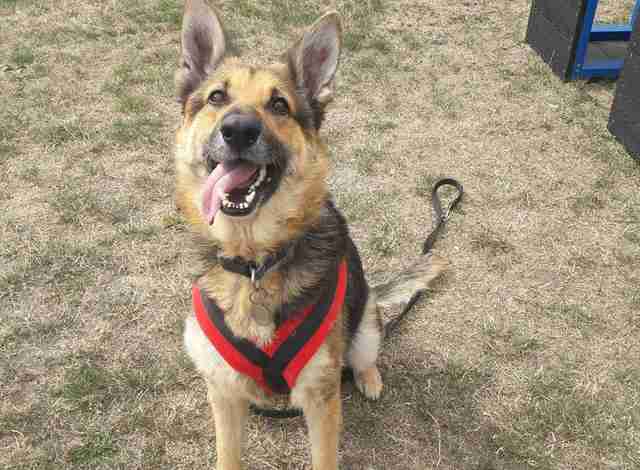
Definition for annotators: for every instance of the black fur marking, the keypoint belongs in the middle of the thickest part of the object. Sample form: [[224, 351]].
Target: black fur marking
[[357, 288], [306, 115], [320, 250]]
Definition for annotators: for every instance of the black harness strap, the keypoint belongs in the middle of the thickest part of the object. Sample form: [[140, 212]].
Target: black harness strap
[[294, 343], [274, 367]]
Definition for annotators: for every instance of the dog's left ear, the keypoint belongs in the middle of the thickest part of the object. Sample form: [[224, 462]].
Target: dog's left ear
[[313, 60]]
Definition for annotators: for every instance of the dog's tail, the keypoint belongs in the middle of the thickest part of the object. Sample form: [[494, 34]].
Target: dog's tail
[[406, 287]]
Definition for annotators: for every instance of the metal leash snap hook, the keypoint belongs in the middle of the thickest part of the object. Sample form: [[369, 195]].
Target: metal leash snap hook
[[253, 270]]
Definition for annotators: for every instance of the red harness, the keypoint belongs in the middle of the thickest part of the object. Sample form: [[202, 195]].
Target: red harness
[[275, 366]]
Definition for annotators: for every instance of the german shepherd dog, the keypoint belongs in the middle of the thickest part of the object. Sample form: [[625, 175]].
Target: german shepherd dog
[[269, 242]]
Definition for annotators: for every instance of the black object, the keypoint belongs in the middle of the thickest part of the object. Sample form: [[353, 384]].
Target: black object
[[624, 120], [566, 36], [441, 217], [553, 32]]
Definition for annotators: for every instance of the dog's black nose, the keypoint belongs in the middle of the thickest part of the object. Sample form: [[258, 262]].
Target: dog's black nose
[[240, 130]]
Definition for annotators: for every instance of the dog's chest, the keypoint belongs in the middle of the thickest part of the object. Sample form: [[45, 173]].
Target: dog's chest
[[224, 380], [213, 367]]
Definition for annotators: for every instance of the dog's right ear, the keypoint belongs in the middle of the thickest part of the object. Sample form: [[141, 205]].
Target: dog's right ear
[[203, 47]]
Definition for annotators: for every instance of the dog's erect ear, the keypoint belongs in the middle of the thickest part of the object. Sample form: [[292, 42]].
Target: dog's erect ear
[[313, 60], [203, 46]]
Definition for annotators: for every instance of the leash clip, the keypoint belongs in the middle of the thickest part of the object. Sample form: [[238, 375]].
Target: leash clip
[[252, 270], [256, 273]]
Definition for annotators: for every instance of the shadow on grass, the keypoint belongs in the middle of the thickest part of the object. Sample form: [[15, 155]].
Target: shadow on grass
[[432, 410]]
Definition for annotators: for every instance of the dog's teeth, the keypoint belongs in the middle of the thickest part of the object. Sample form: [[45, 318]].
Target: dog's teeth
[[250, 197], [259, 180]]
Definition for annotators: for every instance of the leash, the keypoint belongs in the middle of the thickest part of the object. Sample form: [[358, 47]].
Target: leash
[[441, 219]]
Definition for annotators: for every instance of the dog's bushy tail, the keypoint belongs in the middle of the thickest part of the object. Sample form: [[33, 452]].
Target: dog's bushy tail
[[402, 289]]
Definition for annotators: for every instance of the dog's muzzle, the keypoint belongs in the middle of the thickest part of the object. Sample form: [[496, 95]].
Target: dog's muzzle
[[245, 164]]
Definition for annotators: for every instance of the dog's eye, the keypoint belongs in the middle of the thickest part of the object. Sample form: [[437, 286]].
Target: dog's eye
[[218, 97], [279, 106]]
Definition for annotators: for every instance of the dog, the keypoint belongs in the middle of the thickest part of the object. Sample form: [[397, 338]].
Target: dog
[[280, 299]]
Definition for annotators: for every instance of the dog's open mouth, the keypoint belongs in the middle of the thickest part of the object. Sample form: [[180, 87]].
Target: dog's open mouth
[[237, 188]]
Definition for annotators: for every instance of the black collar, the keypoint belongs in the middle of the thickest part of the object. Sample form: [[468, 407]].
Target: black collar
[[251, 269]]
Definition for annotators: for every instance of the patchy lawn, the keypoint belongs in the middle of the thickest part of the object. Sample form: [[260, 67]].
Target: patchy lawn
[[524, 356]]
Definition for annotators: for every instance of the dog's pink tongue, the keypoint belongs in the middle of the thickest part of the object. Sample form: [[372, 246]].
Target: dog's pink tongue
[[222, 180]]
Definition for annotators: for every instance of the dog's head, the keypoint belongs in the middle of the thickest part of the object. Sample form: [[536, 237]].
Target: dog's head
[[251, 168]]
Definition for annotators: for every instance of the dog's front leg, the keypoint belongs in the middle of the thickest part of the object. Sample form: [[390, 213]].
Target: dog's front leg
[[324, 420], [230, 417]]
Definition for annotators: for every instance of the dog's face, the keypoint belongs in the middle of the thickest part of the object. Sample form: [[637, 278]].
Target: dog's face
[[249, 160]]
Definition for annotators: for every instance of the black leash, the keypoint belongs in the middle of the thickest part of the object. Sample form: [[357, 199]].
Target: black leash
[[441, 219]]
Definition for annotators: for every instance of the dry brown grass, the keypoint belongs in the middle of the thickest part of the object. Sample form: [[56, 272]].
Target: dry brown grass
[[524, 356]]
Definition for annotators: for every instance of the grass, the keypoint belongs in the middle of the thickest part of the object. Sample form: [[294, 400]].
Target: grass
[[522, 357], [60, 134], [557, 414], [97, 447], [367, 158], [76, 203], [132, 104], [23, 56], [492, 243], [445, 101], [136, 130], [86, 387], [63, 265], [509, 343]]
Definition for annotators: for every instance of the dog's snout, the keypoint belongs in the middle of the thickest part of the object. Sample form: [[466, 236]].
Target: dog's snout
[[241, 130]]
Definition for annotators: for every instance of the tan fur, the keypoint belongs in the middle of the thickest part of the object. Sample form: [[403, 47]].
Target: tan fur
[[294, 208], [300, 198], [230, 416], [307, 181]]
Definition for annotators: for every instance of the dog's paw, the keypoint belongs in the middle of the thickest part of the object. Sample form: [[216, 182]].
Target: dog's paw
[[369, 382]]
